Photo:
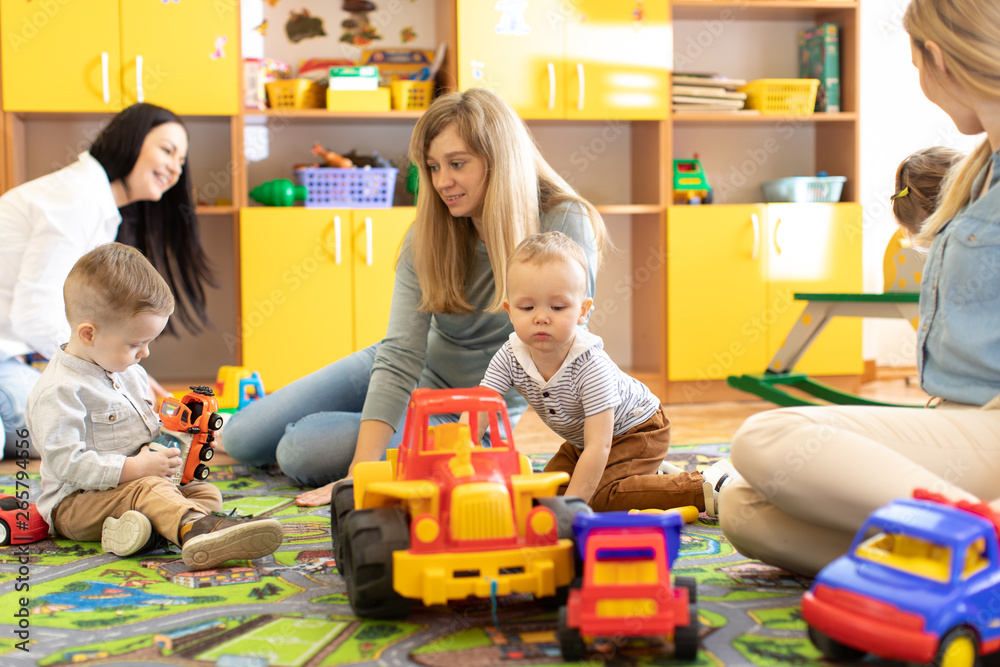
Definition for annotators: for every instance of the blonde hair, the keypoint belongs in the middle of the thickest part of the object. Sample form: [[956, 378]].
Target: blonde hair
[[921, 175], [520, 185], [968, 33], [114, 282], [547, 247]]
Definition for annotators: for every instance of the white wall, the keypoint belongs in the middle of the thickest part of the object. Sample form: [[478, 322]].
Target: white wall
[[896, 119]]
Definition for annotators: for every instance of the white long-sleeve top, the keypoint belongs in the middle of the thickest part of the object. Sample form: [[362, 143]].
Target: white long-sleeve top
[[46, 225]]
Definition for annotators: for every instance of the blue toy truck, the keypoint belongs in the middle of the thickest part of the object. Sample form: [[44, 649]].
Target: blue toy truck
[[920, 583]]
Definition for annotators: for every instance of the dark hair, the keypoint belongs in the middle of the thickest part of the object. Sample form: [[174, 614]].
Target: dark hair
[[165, 231]]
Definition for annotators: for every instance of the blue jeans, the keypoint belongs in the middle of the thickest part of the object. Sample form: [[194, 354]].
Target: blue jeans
[[16, 381], [310, 427]]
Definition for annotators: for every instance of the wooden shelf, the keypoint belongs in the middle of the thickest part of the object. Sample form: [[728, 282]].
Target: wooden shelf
[[752, 10], [326, 114], [216, 210], [629, 209], [741, 119]]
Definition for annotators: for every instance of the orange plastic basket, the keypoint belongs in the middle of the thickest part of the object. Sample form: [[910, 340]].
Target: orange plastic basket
[[295, 94], [796, 97]]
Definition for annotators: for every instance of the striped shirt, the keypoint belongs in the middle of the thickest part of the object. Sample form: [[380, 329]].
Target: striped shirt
[[587, 383]]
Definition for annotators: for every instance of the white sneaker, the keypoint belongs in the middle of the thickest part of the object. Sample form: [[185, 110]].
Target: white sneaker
[[127, 535], [667, 468], [716, 476]]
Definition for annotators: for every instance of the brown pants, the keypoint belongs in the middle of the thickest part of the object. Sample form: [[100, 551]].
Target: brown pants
[[81, 516], [630, 480]]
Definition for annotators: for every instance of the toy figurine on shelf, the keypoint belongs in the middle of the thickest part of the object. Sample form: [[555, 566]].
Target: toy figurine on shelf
[[374, 161], [279, 192], [193, 423], [331, 158]]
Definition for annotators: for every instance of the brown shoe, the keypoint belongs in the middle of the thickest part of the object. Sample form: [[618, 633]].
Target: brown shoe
[[216, 538]]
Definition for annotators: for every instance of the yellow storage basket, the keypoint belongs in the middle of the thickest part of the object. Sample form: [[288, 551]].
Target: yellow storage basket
[[796, 97], [295, 94], [411, 95]]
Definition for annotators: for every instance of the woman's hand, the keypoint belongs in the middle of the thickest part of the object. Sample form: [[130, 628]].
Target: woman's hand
[[315, 497]]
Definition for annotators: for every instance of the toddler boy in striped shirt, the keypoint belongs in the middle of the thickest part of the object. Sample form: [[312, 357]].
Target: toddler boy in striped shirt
[[616, 432]]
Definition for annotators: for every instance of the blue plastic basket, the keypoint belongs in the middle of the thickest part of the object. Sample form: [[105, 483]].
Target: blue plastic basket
[[347, 188]]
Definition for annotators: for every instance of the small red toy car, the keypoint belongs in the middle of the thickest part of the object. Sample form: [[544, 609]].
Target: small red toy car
[[626, 588], [197, 414], [20, 522]]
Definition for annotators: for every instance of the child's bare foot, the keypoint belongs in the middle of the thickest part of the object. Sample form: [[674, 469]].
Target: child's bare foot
[[315, 497]]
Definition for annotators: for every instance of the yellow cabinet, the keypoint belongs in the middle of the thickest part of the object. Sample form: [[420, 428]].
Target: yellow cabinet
[[104, 55], [732, 272], [316, 285], [553, 59]]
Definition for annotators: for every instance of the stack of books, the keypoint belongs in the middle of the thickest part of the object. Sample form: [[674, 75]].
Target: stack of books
[[701, 93]]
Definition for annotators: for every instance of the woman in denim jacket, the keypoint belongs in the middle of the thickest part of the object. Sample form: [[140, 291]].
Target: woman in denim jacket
[[810, 476]]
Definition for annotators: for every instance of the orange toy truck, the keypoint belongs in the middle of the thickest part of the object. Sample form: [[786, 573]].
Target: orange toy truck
[[197, 417]]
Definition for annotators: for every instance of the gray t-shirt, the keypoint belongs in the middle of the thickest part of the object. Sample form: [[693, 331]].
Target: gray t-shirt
[[453, 350]]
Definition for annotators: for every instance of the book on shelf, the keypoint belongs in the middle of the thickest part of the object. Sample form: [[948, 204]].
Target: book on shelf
[[720, 102], [713, 80], [819, 58], [682, 109], [707, 91]]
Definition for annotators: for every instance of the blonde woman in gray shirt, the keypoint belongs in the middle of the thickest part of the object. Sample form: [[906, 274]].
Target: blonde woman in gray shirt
[[484, 188]]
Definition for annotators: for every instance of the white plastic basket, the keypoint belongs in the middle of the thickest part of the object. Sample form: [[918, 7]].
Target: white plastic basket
[[339, 188], [804, 189]]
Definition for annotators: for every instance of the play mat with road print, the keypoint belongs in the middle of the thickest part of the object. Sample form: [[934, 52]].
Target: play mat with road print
[[85, 607]]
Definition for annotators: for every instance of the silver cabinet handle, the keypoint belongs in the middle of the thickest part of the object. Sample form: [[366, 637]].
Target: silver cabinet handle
[[756, 236], [336, 242], [582, 86], [138, 79], [368, 240], [552, 85], [104, 77]]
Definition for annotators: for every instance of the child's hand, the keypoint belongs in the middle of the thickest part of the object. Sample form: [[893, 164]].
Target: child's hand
[[155, 460]]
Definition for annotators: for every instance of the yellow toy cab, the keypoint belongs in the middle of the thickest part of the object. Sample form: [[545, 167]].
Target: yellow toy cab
[[445, 518]]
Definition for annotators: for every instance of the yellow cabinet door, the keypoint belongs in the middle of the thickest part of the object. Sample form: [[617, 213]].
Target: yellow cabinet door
[[186, 53], [617, 59], [296, 291], [61, 56], [716, 291], [377, 235], [517, 54], [815, 248]]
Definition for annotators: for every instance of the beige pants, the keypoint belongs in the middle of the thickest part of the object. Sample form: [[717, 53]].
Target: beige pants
[[81, 516], [810, 476]]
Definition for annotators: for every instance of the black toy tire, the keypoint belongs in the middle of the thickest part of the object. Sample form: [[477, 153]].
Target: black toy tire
[[341, 504], [687, 637], [691, 584], [570, 641], [959, 634], [215, 421], [832, 649], [206, 453], [201, 472], [371, 536]]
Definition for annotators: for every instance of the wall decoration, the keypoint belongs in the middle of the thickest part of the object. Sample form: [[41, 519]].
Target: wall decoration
[[512, 21], [407, 35], [303, 26], [220, 48], [358, 30], [262, 28]]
